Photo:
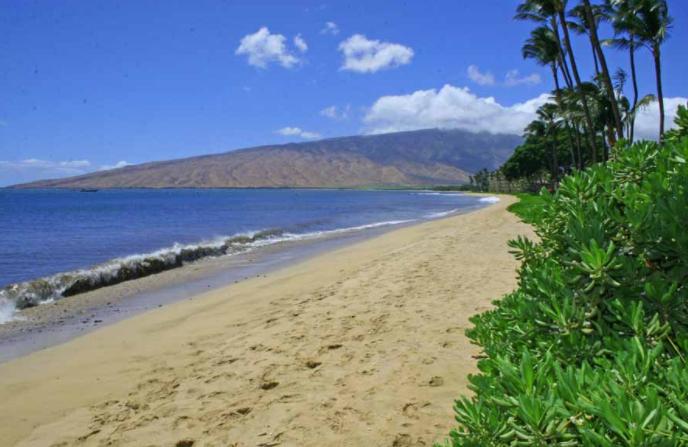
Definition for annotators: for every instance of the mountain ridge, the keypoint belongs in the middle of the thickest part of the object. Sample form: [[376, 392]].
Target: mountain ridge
[[411, 158]]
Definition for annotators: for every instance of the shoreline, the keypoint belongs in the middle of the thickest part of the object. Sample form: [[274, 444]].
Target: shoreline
[[357, 345], [56, 322], [57, 283]]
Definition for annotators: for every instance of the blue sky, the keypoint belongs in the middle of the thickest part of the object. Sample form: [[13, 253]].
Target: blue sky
[[89, 84]]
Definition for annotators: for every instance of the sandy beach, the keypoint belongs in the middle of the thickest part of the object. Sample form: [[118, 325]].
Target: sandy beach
[[363, 345]]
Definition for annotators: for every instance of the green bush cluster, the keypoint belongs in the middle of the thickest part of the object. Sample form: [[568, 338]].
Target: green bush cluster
[[591, 348]]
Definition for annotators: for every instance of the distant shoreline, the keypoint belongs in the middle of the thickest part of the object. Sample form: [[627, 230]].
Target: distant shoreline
[[19, 187]]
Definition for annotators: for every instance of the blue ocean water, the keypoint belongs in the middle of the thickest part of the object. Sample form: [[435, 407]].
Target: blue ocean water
[[45, 232]]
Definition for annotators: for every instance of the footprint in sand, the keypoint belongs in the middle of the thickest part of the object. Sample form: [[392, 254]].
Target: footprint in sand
[[312, 364], [436, 381], [402, 440], [268, 385]]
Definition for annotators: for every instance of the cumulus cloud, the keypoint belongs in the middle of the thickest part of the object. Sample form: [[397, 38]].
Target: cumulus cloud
[[298, 132], [364, 55], [337, 113], [647, 120], [480, 78], [513, 78], [458, 108], [262, 48], [449, 107], [330, 28]]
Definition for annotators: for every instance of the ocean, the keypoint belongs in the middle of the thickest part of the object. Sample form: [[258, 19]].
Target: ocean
[[57, 243]]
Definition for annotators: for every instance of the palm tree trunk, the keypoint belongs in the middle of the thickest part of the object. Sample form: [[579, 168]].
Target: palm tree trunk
[[590, 131], [568, 128], [606, 79], [563, 74], [562, 54], [555, 164], [634, 80], [660, 96], [579, 152], [594, 59]]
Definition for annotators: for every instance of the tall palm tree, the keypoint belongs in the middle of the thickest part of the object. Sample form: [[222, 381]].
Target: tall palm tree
[[592, 22], [543, 47], [653, 29], [531, 11], [579, 25], [624, 20], [556, 10]]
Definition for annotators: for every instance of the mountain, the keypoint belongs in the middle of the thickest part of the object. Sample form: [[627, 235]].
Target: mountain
[[422, 157]]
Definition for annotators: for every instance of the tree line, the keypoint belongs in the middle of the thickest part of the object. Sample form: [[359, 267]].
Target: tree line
[[585, 119]]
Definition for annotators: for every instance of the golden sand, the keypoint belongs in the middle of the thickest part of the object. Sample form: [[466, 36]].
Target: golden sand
[[363, 346]]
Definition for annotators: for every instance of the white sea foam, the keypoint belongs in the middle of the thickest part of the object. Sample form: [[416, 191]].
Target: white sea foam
[[437, 194], [441, 214], [490, 199], [135, 266], [7, 310], [324, 233]]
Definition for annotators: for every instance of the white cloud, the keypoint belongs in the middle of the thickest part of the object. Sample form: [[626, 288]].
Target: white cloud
[[459, 108], [647, 120], [475, 75], [511, 79], [330, 28], [300, 43], [364, 55], [337, 113], [449, 107], [514, 78], [119, 164], [298, 132], [263, 48]]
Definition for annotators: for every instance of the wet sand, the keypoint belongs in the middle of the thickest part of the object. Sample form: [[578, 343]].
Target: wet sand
[[53, 323], [361, 345]]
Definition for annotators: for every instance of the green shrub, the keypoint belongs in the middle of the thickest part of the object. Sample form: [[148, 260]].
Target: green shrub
[[591, 348]]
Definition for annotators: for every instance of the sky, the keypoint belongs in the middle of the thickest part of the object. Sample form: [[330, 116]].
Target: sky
[[90, 85]]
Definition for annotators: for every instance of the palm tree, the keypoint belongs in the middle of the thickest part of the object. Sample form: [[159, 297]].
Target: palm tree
[[530, 11], [592, 22], [543, 47], [546, 126], [540, 10], [624, 20], [653, 27], [629, 111], [579, 25]]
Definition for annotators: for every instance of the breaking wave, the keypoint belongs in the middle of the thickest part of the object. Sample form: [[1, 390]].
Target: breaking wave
[[61, 285], [490, 199], [441, 214]]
